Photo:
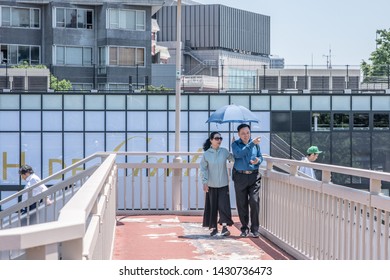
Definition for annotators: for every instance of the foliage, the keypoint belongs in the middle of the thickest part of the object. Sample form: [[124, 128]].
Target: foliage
[[380, 58], [25, 65], [157, 89], [59, 85]]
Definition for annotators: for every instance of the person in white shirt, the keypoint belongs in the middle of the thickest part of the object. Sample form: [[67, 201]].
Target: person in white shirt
[[27, 174], [311, 156]]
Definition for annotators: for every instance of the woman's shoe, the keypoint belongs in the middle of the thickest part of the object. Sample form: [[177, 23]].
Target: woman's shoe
[[225, 231], [214, 232]]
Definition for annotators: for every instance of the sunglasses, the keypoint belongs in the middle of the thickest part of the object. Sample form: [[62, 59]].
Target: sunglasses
[[218, 138]]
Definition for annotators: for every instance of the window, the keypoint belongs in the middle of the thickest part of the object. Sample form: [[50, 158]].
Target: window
[[102, 56], [321, 122], [66, 55], [124, 56], [5, 16], [74, 55], [73, 18], [381, 121], [24, 54], [60, 18], [133, 20], [19, 17], [18, 54], [361, 121], [34, 55], [300, 121], [280, 122], [340, 121]]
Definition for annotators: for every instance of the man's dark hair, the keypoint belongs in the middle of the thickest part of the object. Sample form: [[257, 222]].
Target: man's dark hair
[[25, 169], [242, 126]]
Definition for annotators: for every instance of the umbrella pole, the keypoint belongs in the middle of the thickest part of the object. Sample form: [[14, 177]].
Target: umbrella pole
[[229, 136]]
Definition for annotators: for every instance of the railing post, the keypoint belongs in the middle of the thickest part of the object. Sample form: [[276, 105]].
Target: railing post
[[326, 176], [176, 186], [45, 252], [72, 249], [270, 165], [294, 170], [375, 186]]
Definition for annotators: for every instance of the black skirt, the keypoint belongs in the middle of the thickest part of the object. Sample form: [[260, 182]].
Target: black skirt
[[217, 201]]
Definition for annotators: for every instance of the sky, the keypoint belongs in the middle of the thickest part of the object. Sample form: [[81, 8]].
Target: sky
[[305, 32]]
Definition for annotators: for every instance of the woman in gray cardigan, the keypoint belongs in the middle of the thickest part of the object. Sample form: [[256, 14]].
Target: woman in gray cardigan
[[213, 172]]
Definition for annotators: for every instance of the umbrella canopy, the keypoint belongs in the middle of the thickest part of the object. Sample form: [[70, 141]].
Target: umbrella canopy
[[232, 113]]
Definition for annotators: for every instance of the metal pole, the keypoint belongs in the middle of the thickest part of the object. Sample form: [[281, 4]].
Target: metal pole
[[6, 74], [178, 78], [305, 76], [136, 75], [388, 76], [222, 62], [177, 173]]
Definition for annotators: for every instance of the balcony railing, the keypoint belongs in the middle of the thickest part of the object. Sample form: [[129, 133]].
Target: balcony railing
[[309, 219]]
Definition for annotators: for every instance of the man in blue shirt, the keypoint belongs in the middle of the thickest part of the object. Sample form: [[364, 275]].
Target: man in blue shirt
[[247, 159]]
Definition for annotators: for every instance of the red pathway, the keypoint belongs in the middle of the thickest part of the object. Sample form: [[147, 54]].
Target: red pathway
[[169, 237]]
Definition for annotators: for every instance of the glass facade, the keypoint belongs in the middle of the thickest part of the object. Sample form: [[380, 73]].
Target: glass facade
[[51, 131]]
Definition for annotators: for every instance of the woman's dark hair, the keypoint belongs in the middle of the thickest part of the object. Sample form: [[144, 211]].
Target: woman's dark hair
[[207, 143], [25, 169]]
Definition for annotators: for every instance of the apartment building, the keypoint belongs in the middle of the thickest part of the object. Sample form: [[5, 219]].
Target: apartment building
[[96, 44]]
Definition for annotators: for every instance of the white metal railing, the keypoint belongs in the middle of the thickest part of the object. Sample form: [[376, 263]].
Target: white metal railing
[[83, 223], [64, 184], [321, 220], [159, 185], [309, 219]]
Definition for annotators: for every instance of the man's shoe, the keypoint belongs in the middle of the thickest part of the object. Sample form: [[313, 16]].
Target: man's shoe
[[244, 233], [214, 232], [255, 234], [225, 231]]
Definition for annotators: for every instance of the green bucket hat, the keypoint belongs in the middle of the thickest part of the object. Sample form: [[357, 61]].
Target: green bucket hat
[[313, 150]]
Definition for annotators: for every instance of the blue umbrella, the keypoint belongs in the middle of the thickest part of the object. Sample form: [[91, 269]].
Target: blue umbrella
[[232, 114]]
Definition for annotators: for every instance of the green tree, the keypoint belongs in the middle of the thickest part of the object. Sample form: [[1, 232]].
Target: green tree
[[380, 58]]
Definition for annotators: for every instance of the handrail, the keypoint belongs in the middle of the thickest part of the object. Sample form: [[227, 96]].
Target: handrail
[[15, 208], [73, 219], [53, 176], [371, 174]]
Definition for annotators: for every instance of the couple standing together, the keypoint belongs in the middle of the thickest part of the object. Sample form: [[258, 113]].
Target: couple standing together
[[247, 158]]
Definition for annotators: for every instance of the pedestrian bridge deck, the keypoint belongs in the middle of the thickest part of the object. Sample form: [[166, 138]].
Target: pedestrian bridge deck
[[173, 237]]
